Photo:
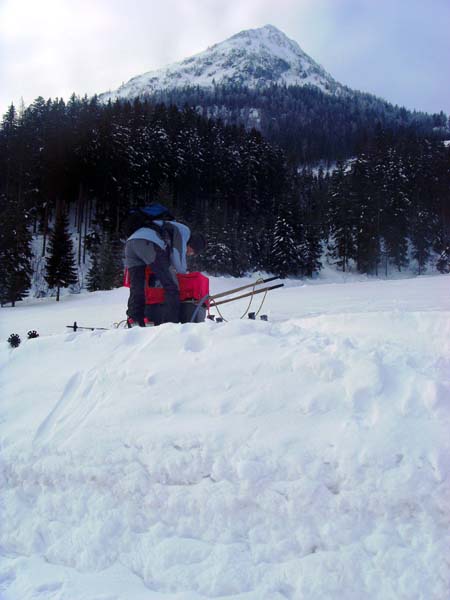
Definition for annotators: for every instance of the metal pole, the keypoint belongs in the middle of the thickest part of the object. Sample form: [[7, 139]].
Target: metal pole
[[243, 287], [267, 289]]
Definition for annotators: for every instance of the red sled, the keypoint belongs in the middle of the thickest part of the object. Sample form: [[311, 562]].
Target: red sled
[[194, 287]]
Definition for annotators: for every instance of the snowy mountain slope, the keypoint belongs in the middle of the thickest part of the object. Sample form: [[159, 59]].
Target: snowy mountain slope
[[306, 457], [253, 58]]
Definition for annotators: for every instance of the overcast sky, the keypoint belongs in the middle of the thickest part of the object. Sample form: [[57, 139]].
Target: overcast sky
[[396, 49]]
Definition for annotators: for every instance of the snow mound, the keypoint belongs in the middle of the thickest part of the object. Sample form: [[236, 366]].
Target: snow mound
[[300, 458]]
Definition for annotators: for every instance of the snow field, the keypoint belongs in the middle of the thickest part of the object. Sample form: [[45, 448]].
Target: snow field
[[306, 458]]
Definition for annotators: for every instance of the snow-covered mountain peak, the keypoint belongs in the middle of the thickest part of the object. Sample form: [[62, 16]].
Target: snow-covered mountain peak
[[269, 36], [252, 58]]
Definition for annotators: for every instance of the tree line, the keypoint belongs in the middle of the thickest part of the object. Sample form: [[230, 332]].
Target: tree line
[[309, 124], [91, 162], [391, 205]]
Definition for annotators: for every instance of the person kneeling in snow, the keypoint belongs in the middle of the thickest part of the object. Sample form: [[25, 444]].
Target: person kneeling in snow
[[164, 245]]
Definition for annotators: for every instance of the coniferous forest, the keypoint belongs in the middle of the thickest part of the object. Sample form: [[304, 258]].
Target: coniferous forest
[[308, 124], [70, 172]]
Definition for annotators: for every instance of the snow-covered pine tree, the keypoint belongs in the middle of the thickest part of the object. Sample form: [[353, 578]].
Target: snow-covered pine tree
[[60, 265], [422, 221], [262, 247], [310, 249], [93, 278], [365, 197], [341, 220], [241, 247], [421, 231], [394, 217], [219, 257], [440, 188], [285, 259], [443, 260], [308, 227]]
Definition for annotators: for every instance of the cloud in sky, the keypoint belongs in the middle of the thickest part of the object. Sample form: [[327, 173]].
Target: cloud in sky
[[397, 49]]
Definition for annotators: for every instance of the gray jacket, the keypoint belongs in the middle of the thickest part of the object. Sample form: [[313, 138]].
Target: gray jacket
[[180, 235]]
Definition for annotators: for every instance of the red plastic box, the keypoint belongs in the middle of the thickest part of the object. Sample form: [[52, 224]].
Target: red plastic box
[[193, 286]]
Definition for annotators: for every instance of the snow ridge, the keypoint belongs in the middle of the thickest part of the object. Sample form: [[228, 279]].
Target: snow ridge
[[253, 58]]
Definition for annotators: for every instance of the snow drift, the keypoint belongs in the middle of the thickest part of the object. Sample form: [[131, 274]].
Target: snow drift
[[306, 457]]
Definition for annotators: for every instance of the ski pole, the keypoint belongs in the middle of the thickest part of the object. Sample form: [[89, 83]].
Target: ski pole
[[75, 327]]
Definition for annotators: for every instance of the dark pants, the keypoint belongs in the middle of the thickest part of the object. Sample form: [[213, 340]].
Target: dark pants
[[161, 269]]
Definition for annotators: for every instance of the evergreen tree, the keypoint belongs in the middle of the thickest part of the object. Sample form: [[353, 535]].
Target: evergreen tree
[[217, 258], [310, 248], [443, 261], [421, 214], [15, 252], [421, 234], [94, 277], [285, 258], [394, 218], [262, 244], [341, 219], [440, 187], [9, 134], [60, 264], [106, 272], [366, 201], [307, 223]]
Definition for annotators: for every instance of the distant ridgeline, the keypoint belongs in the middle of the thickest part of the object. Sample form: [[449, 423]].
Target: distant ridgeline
[[92, 161], [309, 124]]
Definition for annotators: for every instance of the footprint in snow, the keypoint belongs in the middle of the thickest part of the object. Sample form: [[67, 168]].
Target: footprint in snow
[[194, 343], [152, 380], [48, 590], [7, 577]]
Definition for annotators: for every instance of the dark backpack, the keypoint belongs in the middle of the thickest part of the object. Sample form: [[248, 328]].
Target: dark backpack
[[145, 216]]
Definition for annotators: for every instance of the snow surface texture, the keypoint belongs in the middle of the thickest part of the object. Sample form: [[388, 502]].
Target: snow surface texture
[[307, 457], [254, 58]]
